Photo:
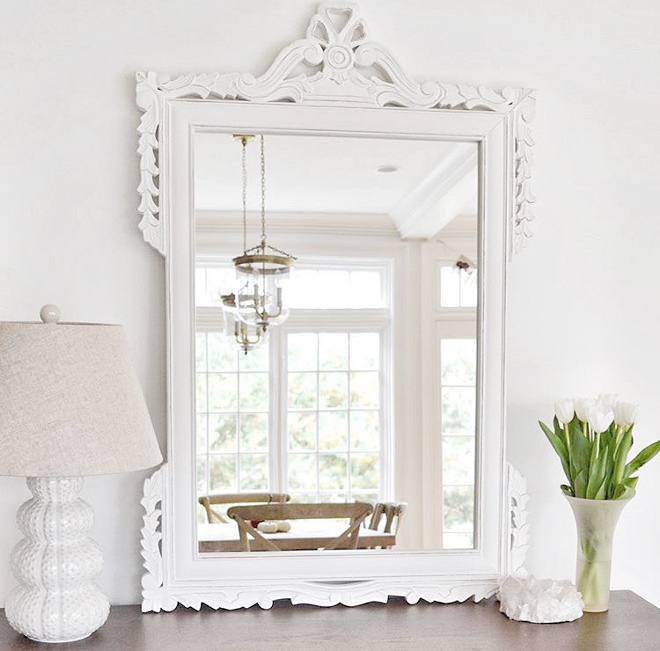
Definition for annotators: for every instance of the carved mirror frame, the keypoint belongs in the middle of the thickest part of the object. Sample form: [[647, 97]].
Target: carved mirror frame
[[339, 82]]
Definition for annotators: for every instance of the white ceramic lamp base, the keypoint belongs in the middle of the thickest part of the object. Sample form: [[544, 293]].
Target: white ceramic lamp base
[[56, 564]]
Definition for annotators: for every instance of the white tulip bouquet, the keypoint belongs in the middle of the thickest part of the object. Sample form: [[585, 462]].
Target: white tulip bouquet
[[593, 439]]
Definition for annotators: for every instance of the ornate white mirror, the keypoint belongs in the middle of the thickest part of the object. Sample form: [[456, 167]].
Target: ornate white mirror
[[402, 202]]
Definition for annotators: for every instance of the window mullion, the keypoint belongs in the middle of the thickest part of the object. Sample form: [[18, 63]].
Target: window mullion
[[277, 419]]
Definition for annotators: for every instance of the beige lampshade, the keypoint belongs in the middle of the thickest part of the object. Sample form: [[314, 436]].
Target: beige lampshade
[[70, 402]]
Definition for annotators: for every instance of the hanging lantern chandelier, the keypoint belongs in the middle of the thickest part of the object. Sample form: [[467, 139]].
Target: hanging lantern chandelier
[[262, 271], [248, 337]]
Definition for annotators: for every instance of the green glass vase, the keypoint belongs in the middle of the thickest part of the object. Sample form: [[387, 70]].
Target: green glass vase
[[596, 522]]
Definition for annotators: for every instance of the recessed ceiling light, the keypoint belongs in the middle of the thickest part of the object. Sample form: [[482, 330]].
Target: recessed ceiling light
[[387, 169]]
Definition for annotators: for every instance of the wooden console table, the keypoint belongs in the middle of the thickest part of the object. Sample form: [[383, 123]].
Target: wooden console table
[[631, 624]]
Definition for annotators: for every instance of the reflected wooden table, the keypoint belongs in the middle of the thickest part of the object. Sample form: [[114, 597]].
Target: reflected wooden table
[[224, 537], [631, 624]]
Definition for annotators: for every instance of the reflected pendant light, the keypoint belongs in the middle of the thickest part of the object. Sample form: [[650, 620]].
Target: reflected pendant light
[[262, 271], [248, 337]]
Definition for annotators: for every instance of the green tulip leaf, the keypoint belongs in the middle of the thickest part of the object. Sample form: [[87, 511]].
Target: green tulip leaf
[[631, 482], [580, 483], [601, 493], [618, 491], [643, 457], [567, 490], [597, 473], [620, 456], [559, 447], [580, 448]]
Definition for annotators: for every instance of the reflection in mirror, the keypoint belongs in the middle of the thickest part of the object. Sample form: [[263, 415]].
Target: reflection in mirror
[[386, 233]]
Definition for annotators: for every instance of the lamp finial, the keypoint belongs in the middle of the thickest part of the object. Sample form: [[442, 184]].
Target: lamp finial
[[50, 313]]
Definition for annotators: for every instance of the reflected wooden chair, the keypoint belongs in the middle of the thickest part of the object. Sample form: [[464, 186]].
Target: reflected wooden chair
[[214, 516], [244, 516], [386, 517]]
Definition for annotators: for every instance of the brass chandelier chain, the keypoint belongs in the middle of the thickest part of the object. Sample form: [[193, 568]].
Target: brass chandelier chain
[[244, 141], [263, 194]]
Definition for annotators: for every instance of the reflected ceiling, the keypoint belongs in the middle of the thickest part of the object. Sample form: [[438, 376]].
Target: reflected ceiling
[[420, 185]]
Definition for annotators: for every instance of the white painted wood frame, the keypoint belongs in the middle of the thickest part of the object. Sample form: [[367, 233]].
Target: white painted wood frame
[[352, 87]]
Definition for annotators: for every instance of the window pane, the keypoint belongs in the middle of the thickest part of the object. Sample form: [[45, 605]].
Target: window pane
[[333, 471], [303, 288], [254, 472], [333, 430], [365, 430], [201, 475], [365, 496], [219, 280], [457, 460], [255, 360], [303, 352], [302, 390], [468, 286], [223, 391], [222, 472], [222, 432], [222, 352], [365, 389], [449, 287], [458, 410], [202, 432], [336, 498], [333, 390], [200, 287], [305, 498], [201, 392], [459, 361], [254, 432], [333, 287], [333, 351], [302, 431], [458, 509], [364, 471], [254, 391], [211, 282], [336, 288], [365, 351], [200, 351], [302, 472], [366, 289]]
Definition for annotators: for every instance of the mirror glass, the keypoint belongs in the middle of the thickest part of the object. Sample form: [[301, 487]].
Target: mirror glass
[[368, 392]]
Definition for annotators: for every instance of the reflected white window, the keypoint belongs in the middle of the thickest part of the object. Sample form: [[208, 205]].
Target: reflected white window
[[336, 288], [455, 423], [303, 413], [232, 415], [211, 282], [458, 370], [458, 287], [333, 416]]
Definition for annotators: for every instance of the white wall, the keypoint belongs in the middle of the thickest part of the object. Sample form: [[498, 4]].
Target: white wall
[[583, 296]]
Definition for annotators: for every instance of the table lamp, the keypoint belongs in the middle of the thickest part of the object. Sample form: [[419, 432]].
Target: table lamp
[[70, 406]]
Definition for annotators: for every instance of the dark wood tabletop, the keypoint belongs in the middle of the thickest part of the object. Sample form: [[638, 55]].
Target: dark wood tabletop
[[631, 624]]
